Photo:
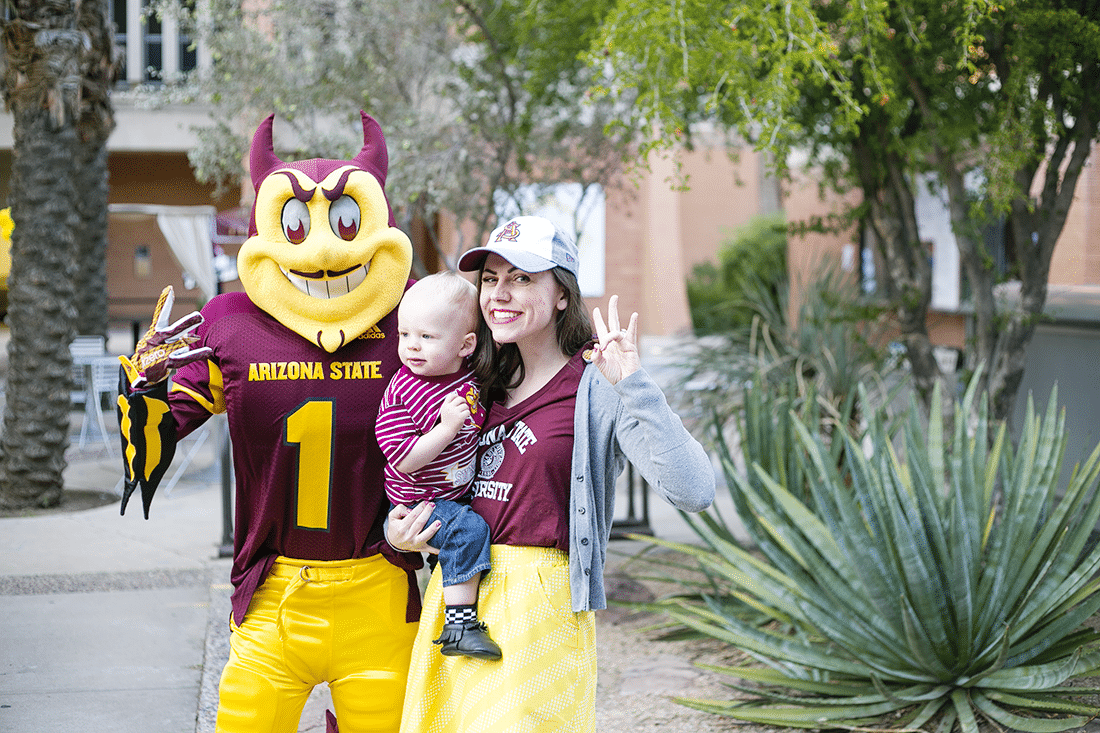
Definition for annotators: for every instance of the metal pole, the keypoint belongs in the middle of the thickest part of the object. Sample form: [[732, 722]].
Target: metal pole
[[632, 523], [226, 548]]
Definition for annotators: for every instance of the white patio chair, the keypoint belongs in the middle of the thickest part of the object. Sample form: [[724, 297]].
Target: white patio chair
[[95, 376]]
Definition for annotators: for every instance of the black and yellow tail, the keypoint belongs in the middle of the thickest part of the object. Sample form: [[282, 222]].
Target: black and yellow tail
[[148, 438]]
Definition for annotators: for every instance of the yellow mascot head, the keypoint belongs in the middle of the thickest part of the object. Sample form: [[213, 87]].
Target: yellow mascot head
[[323, 256]]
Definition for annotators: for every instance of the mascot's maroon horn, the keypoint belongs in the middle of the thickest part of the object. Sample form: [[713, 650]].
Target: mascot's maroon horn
[[373, 158], [261, 157]]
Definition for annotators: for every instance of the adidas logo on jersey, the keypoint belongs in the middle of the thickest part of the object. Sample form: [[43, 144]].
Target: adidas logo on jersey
[[374, 332]]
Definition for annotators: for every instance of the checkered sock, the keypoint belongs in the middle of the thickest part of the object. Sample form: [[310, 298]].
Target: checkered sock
[[461, 614]]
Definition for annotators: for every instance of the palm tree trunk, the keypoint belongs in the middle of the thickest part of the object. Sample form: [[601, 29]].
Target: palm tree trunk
[[40, 86], [94, 126], [40, 314], [90, 178]]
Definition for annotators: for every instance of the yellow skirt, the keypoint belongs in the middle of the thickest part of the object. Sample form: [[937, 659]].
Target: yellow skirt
[[546, 680]]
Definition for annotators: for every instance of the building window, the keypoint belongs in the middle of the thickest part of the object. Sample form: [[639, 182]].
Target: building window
[[189, 54], [153, 48], [117, 15]]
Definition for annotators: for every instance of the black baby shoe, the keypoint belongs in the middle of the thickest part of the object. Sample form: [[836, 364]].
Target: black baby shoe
[[469, 639]]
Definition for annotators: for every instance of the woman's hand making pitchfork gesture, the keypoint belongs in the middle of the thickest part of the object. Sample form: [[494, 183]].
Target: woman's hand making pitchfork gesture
[[616, 350]]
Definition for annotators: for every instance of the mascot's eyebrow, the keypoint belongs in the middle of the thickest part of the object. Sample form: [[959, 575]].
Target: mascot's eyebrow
[[338, 190], [299, 193]]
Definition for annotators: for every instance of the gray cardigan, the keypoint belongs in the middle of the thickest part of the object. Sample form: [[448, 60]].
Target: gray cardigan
[[630, 421]]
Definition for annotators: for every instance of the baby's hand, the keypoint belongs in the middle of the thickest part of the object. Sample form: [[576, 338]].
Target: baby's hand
[[454, 412]]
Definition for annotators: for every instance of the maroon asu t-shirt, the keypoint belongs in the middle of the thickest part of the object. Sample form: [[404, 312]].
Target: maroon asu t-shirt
[[308, 469], [523, 464]]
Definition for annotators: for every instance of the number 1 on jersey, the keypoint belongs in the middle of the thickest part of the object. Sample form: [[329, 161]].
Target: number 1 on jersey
[[310, 428]]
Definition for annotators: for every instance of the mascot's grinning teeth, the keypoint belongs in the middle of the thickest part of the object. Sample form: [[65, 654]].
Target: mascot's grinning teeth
[[316, 286]]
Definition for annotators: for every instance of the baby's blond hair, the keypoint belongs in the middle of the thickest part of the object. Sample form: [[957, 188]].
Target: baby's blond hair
[[448, 288]]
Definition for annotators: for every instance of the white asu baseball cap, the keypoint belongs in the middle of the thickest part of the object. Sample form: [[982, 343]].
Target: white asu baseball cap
[[531, 243]]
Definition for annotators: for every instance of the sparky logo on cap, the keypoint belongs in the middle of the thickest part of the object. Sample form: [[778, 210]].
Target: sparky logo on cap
[[509, 232]]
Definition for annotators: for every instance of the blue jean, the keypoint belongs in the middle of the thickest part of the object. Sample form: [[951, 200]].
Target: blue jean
[[462, 541]]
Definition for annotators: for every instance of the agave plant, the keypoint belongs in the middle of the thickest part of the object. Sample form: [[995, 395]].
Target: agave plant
[[928, 586]]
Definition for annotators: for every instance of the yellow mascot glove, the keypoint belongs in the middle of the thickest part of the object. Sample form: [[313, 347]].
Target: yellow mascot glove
[[163, 347]]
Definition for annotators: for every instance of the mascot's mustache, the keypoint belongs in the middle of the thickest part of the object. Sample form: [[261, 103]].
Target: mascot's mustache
[[327, 284]]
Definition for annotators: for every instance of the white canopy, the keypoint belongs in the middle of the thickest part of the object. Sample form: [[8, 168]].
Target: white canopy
[[189, 231]]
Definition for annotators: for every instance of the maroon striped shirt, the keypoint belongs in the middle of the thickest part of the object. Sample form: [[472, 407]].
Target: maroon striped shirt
[[409, 409]]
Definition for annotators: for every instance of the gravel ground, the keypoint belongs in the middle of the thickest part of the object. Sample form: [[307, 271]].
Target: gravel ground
[[640, 675]]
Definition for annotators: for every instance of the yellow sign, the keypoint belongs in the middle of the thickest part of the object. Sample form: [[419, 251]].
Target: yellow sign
[[6, 226]]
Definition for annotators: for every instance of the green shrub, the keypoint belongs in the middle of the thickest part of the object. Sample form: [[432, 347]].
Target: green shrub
[[926, 586], [833, 344], [718, 295]]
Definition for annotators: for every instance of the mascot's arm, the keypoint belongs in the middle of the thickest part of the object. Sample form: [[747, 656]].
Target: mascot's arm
[[146, 422]]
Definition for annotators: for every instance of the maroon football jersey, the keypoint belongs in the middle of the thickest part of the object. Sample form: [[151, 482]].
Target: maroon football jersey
[[524, 457], [307, 466]]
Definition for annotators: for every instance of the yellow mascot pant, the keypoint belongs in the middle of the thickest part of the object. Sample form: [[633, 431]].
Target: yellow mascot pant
[[341, 622]]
